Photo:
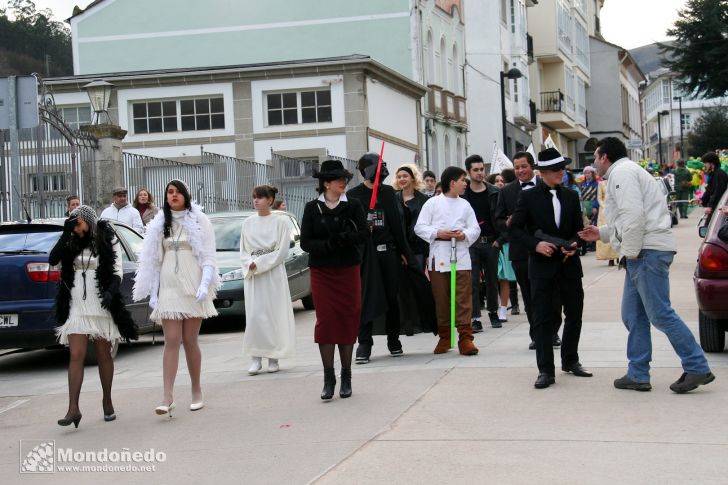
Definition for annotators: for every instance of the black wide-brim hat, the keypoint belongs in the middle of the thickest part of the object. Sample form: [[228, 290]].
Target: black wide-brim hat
[[551, 159], [332, 170]]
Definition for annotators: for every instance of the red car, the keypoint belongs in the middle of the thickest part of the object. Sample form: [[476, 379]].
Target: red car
[[711, 284]]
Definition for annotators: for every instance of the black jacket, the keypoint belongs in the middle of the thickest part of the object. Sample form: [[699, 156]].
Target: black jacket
[[534, 211], [714, 189], [410, 212], [386, 213], [66, 250], [507, 199], [332, 236]]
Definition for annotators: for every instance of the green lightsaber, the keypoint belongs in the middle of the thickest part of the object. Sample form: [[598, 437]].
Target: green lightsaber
[[453, 269]]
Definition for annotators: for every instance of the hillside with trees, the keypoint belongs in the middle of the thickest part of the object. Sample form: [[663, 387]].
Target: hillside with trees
[[32, 41]]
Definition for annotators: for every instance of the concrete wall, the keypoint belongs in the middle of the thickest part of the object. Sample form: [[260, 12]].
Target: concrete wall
[[133, 35]]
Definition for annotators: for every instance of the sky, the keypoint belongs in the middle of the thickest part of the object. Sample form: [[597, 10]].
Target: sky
[[627, 23]]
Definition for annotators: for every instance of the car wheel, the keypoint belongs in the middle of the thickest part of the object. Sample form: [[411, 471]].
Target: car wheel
[[712, 335], [91, 357], [308, 302]]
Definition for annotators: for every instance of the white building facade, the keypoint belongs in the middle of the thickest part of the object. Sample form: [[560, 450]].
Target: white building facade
[[497, 40]]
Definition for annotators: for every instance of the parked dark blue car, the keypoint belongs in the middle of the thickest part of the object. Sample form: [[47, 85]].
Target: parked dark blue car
[[28, 283]]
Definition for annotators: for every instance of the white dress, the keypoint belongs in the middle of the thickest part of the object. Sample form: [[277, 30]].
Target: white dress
[[270, 326], [180, 277], [86, 315]]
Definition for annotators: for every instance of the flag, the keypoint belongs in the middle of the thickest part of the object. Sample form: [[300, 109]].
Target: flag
[[531, 151], [549, 143], [501, 162]]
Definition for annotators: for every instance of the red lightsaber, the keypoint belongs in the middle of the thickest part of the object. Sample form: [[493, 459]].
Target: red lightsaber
[[373, 201]]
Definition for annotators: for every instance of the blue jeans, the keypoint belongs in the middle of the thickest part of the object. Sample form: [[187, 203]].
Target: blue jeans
[[646, 299]]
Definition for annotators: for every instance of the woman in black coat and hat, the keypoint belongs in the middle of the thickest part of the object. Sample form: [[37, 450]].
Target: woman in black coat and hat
[[89, 303], [332, 228]]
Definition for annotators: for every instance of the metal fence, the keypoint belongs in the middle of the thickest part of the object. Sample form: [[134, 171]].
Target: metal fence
[[219, 183], [294, 179], [53, 158]]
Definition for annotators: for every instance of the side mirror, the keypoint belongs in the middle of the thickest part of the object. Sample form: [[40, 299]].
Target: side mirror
[[702, 231]]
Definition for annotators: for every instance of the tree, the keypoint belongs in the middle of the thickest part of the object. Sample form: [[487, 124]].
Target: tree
[[710, 131], [700, 50], [32, 40]]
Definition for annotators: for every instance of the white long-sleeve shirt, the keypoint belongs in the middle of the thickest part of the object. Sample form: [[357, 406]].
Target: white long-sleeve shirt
[[127, 214], [453, 214]]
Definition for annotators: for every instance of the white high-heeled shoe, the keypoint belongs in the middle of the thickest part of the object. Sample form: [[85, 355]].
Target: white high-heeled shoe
[[255, 366], [161, 410], [196, 406], [273, 365]]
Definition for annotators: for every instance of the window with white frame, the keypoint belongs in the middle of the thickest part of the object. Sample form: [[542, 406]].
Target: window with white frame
[[172, 115], [443, 63], [431, 75], [581, 45], [455, 66], [564, 25], [665, 91], [513, 16], [569, 88], [686, 122], [292, 108], [504, 12], [76, 116], [581, 100]]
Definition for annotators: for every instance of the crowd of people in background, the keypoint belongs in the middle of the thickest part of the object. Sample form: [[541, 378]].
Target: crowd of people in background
[[421, 254]]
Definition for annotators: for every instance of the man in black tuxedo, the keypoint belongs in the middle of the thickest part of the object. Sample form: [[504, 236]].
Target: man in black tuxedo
[[526, 179], [546, 221]]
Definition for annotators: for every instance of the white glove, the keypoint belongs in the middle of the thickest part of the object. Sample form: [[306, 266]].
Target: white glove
[[207, 273], [154, 291]]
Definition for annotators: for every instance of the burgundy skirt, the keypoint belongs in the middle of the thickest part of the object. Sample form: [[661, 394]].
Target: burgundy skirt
[[336, 294]]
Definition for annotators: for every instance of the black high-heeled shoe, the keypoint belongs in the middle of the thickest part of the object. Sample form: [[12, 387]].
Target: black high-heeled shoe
[[345, 389], [329, 384], [75, 419]]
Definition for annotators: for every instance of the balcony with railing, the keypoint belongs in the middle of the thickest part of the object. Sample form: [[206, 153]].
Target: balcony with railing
[[557, 113]]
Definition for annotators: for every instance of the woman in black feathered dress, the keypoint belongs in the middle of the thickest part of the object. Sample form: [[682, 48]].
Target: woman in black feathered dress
[[89, 304]]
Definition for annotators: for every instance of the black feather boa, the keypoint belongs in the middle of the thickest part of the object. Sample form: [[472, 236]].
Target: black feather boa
[[70, 248]]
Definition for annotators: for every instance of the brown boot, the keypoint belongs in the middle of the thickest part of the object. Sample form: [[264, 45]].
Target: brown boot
[[465, 343], [443, 345]]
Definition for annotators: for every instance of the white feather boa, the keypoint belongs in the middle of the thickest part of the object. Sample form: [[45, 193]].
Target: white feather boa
[[201, 238]]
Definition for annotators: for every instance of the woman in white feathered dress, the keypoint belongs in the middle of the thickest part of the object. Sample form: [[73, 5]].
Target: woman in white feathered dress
[[264, 242], [179, 273]]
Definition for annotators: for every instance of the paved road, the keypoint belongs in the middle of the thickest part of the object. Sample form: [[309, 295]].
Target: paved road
[[420, 417]]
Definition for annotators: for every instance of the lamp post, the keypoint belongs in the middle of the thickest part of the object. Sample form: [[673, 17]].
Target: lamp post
[[99, 93], [659, 135], [682, 146], [511, 74]]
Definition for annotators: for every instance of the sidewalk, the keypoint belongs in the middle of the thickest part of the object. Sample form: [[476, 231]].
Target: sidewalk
[[419, 418]]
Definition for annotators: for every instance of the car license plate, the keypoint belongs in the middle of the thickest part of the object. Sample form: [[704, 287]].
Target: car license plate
[[8, 320]]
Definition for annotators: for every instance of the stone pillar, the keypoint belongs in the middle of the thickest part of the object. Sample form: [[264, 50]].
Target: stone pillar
[[104, 173]]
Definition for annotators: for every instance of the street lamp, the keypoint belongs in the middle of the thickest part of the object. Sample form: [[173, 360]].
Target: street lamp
[[659, 135], [99, 93], [682, 147], [511, 74]]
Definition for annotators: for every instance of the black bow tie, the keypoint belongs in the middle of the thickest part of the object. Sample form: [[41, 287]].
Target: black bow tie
[[526, 184]]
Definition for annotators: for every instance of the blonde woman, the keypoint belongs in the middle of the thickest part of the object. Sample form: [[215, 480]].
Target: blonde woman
[[179, 273], [408, 184]]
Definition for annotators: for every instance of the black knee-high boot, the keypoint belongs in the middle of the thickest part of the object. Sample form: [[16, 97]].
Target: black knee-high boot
[[345, 389], [329, 383]]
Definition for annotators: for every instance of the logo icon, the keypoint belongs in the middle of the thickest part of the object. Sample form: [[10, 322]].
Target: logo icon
[[37, 456]]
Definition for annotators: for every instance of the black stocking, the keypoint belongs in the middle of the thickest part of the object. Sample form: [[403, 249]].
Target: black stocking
[[106, 372], [327, 355], [77, 344], [345, 352]]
